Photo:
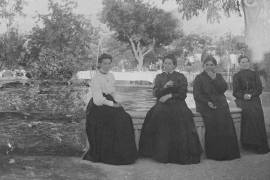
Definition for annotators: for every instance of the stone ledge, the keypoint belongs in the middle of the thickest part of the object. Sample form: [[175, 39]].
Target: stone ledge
[[138, 119], [58, 134], [138, 116]]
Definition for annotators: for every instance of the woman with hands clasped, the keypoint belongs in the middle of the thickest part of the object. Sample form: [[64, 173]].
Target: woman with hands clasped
[[109, 128], [247, 88], [208, 90], [168, 133]]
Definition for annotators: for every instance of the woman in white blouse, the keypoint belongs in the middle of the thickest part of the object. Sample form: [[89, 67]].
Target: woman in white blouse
[[109, 128]]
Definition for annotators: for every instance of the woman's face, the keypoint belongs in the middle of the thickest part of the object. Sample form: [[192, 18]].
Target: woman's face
[[168, 65], [209, 66], [244, 63], [105, 65]]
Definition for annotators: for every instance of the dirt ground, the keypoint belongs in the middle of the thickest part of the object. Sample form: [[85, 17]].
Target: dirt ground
[[248, 167]]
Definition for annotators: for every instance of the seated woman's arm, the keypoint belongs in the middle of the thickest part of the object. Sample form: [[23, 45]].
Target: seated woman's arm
[[237, 92], [220, 84], [198, 92], [180, 90], [158, 89], [258, 86]]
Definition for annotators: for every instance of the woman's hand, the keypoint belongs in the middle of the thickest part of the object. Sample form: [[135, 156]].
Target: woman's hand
[[212, 74], [117, 105], [247, 96], [169, 83], [211, 105], [165, 98]]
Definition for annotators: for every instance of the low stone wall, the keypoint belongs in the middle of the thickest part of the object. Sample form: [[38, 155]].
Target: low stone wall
[[138, 118]]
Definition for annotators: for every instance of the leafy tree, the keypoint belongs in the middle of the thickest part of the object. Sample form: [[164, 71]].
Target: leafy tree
[[11, 49], [119, 50], [191, 43], [140, 25], [9, 9], [64, 36], [256, 17], [213, 8], [10, 42], [230, 44]]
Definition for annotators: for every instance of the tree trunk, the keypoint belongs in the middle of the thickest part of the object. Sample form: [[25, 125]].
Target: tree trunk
[[140, 52], [257, 28]]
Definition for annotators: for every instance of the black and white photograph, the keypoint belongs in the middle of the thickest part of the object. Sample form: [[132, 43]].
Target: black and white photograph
[[134, 89]]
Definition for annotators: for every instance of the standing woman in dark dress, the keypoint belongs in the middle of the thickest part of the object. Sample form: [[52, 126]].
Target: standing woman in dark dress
[[109, 128], [220, 136], [247, 88], [168, 133]]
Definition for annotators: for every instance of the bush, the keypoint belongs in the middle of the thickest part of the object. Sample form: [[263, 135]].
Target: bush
[[54, 65]]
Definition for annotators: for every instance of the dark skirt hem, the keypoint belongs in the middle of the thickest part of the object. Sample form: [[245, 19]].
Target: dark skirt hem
[[110, 134], [169, 134]]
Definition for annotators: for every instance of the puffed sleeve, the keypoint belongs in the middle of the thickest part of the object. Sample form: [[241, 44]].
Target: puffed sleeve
[[258, 86], [157, 86], [158, 89], [237, 91], [220, 84], [197, 91], [112, 86], [97, 93]]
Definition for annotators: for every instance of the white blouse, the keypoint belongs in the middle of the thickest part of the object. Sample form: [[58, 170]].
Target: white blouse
[[102, 83]]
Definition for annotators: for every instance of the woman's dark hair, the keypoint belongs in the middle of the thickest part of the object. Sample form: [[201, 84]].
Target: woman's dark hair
[[210, 58], [171, 57], [242, 57], [104, 56]]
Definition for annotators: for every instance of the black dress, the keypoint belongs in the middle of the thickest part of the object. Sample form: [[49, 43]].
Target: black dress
[[253, 132], [220, 136], [168, 133], [110, 134]]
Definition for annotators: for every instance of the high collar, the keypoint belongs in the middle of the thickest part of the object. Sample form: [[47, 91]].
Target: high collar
[[102, 72], [169, 73], [249, 69], [205, 74]]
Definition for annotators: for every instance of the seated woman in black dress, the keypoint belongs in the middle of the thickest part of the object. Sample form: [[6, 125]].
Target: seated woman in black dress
[[109, 128], [247, 88], [168, 133], [208, 90]]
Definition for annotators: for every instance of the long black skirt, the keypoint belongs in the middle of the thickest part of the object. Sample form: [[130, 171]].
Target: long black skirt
[[110, 134], [169, 134], [253, 132], [220, 136]]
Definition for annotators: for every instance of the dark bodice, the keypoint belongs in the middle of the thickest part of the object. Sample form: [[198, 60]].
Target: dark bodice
[[246, 82], [206, 89], [178, 90]]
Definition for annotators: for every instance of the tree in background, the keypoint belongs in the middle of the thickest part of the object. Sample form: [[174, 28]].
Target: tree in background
[[10, 41], [190, 44], [256, 17], [9, 9], [230, 44], [140, 25], [122, 54], [213, 8], [11, 49], [63, 44]]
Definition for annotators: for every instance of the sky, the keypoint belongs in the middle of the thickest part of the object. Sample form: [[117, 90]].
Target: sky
[[234, 25]]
